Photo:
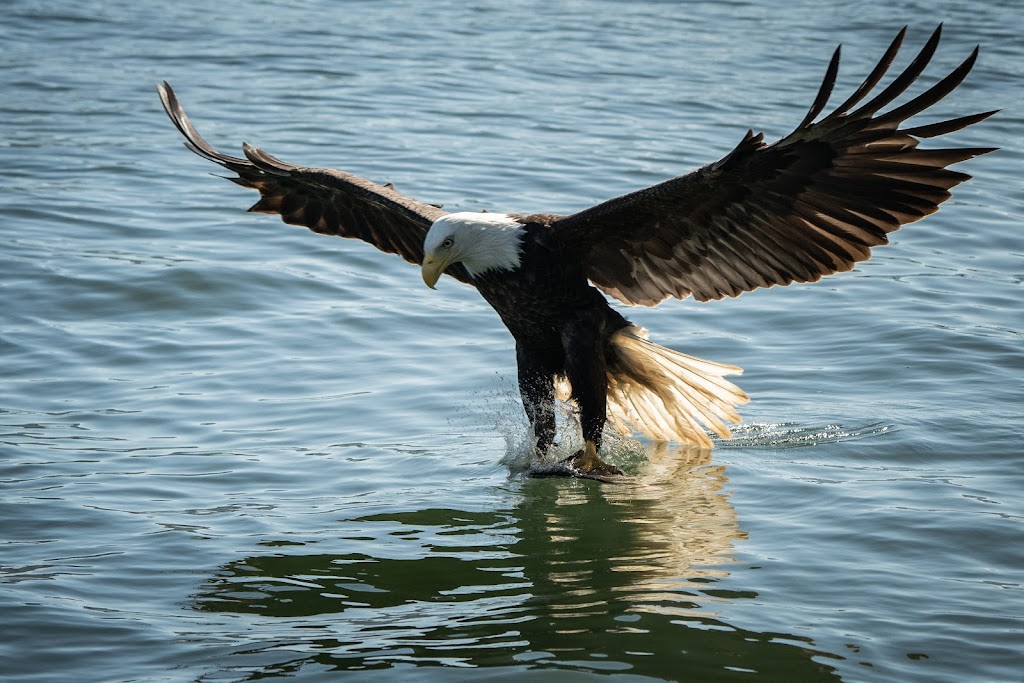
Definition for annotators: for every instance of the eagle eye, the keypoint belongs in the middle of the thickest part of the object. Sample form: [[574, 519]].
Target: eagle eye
[[448, 242]]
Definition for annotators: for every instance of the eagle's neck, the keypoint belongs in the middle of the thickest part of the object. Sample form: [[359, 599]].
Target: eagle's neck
[[486, 241]]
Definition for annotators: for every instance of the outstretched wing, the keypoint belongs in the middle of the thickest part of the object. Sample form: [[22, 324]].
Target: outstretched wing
[[812, 204], [324, 200]]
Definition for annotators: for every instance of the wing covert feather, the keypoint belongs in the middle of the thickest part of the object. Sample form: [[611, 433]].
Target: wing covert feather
[[811, 204], [324, 200]]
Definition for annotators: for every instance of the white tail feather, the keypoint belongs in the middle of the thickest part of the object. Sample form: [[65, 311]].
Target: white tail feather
[[665, 394]]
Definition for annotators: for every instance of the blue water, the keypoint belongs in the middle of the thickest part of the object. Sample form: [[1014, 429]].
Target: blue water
[[233, 449]]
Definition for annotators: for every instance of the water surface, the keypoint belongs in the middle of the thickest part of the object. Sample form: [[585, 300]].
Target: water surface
[[233, 449]]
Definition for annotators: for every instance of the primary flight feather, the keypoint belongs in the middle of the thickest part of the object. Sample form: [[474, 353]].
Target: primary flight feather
[[811, 204]]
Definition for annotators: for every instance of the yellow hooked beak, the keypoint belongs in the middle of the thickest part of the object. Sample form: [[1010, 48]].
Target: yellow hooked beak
[[433, 268]]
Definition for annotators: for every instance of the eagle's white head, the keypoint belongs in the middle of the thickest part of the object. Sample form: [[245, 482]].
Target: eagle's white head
[[479, 241]]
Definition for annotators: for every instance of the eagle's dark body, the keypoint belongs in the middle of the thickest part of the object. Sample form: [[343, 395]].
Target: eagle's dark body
[[813, 203], [562, 325]]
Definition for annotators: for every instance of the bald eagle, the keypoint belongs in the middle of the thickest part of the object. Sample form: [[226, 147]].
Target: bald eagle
[[811, 204]]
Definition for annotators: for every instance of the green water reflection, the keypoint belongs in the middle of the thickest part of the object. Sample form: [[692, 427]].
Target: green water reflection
[[570, 575]]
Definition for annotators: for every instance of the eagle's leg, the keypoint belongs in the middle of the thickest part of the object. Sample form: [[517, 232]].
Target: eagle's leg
[[586, 370], [536, 388]]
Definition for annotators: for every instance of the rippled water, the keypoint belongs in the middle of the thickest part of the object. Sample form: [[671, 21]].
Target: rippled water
[[233, 449]]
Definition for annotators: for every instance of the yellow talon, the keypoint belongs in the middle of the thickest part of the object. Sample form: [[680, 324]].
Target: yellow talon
[[587, 461]]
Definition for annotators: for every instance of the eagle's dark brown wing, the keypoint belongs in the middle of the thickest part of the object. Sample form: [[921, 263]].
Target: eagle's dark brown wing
[[811, 204], [324, 200]]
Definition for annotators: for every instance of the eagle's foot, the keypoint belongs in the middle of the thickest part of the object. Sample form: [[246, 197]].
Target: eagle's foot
[[587, 463]]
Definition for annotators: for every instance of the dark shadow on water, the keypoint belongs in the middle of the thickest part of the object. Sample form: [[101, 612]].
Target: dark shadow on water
[[564, 575]]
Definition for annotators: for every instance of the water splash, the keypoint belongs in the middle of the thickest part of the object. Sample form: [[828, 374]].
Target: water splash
[[793, 435], [501, 407]]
